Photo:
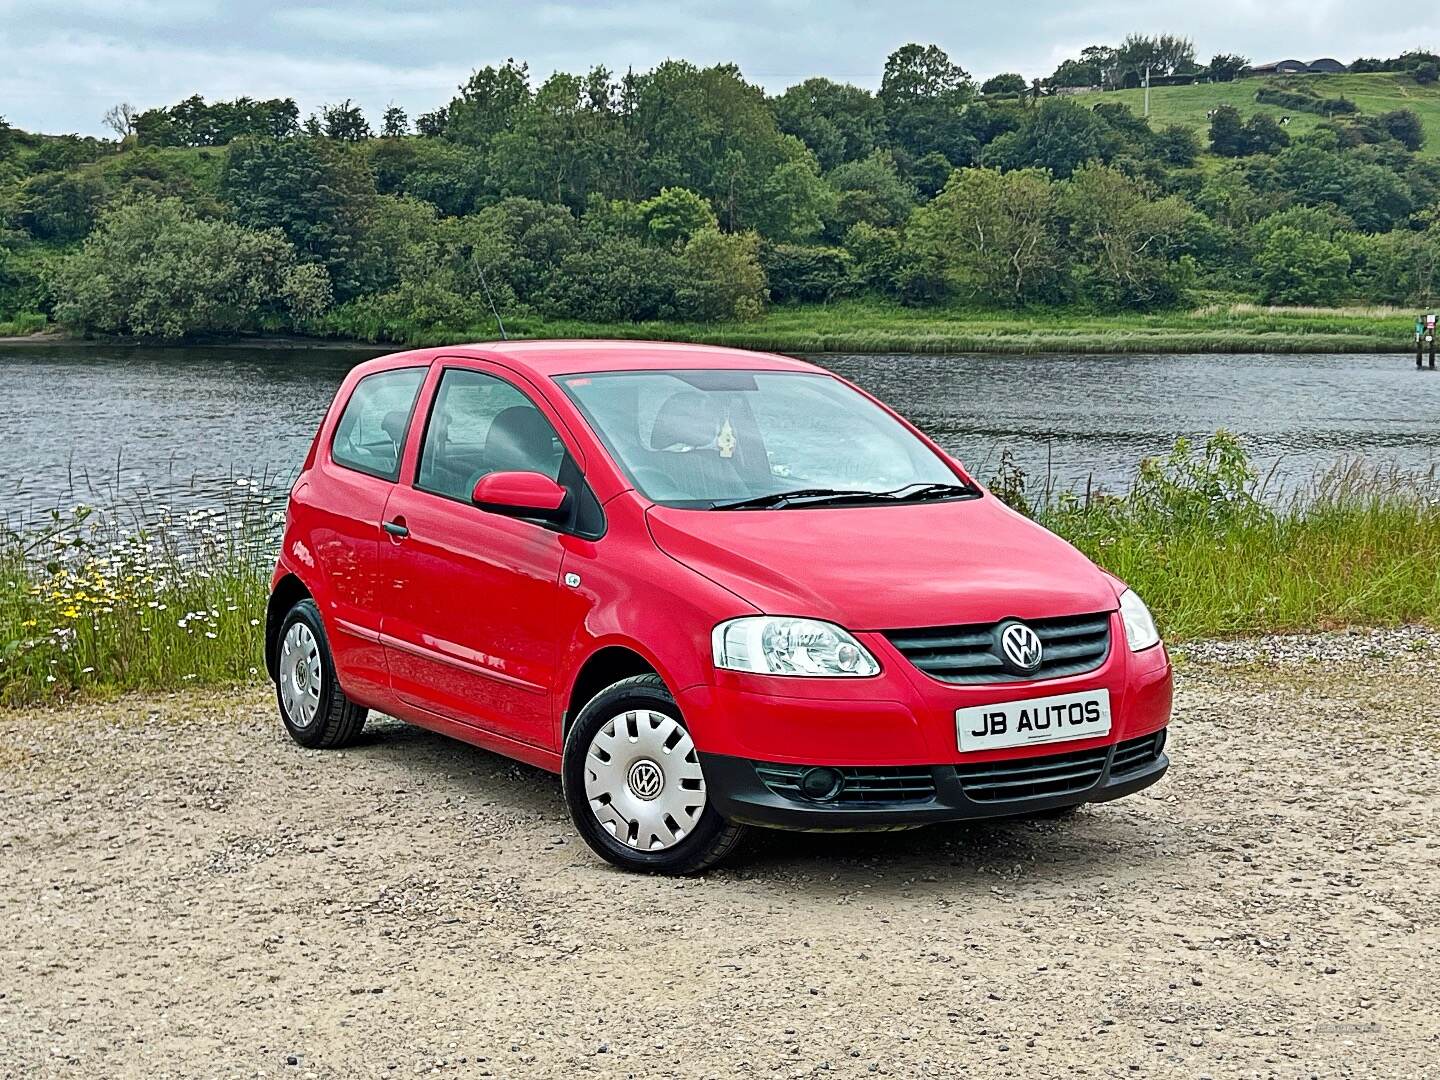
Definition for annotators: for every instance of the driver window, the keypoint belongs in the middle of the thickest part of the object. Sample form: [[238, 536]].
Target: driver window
[[480, 424]]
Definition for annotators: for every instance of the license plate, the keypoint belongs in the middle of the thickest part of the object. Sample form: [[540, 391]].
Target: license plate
[[1036, 720]]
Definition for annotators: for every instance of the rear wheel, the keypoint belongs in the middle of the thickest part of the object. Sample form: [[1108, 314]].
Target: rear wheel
[[634, 786], [313, 708]]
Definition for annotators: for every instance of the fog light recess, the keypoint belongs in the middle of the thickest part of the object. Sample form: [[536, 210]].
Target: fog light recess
[[821, 784]]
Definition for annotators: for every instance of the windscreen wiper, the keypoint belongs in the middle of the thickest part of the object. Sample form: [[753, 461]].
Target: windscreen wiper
[[777, 499], [824, 496], [921, 492]]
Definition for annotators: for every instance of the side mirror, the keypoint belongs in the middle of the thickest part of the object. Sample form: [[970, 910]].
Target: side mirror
[[520, 494]]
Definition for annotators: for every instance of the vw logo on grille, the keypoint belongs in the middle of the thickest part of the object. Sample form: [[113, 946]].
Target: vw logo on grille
[[645, 779], [1022, 647]]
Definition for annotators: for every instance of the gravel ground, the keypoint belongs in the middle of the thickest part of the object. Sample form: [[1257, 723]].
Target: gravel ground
[[184, 892]]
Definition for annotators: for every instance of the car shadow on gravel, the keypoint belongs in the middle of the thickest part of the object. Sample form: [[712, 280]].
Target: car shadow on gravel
[[1096, 841], [1093, 843]]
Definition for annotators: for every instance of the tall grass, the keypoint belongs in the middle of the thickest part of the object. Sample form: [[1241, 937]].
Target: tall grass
[[1202, 540], [93, 602]]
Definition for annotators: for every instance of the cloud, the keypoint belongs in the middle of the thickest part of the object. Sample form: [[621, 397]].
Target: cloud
[[67, 61]]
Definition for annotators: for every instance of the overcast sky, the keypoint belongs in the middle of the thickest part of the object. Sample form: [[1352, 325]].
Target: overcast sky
[[62, 62]]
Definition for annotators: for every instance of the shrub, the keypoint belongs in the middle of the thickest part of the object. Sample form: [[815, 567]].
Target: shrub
[[805, 273], [1298, 268], [153, 269], [1427, 73], [1305, 101], [721, 277], [618, 280]]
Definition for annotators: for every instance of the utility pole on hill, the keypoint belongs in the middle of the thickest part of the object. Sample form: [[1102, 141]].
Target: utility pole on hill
[[1147, 91]]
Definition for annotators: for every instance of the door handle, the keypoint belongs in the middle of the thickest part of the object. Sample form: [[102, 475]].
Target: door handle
[[396, 528]]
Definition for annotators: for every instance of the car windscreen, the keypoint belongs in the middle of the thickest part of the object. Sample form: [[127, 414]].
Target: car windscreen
[[713, 438]]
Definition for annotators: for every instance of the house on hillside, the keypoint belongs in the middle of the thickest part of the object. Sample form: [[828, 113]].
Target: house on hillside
[[1328, 65], [1278, 67]]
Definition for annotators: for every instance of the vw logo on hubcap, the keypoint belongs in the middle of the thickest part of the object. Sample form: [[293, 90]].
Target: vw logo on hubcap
[[1021, 646], [645, 779]]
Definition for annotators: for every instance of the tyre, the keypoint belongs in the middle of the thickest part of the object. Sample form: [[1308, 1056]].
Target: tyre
[[313, 708], [634, 787]]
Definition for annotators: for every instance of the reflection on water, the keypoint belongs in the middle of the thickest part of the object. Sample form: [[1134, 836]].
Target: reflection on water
[[182, 426]]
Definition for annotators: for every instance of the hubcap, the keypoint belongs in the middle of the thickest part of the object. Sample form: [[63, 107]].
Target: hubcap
[[643, 780], [300, 675]]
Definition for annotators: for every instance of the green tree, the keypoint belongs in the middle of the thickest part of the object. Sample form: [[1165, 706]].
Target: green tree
[[318, 193], [721, 276], [1224, 67], [924, 94], [794, 202], [675, 215], [152, 268], [1297, 268], [993, 236], [1227, 133], [1060, 135], [345, 122], [487, 104], [395, 124], [878, 256], [870, 190], [1264, 135], [1404, 126], [1177, 145], [838, 122], [1006, 83], [707, 130], [1126, 241]]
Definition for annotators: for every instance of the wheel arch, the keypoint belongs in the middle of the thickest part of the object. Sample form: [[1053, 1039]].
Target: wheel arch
[[288, 591], [604, 667]]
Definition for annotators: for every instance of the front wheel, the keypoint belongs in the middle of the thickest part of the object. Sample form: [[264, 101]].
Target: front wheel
[[633, 783]]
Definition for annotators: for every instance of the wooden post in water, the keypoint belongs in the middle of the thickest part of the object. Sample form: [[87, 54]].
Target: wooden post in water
[[1425, 335]]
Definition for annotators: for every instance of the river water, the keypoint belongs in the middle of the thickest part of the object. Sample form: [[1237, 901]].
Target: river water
[[185, 427]]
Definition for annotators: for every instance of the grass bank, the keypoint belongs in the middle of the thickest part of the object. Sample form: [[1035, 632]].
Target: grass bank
[[91, 604], [872, 326]]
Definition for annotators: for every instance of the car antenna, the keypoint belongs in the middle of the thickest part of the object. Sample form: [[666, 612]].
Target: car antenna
[[493, 309]]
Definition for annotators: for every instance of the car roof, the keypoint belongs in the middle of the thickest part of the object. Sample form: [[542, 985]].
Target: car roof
[[557, 357]]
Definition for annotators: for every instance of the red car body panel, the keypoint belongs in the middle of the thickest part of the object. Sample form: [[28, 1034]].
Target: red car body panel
[[478, 625]]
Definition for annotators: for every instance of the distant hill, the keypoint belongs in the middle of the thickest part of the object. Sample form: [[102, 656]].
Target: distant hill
[[1374, 94]]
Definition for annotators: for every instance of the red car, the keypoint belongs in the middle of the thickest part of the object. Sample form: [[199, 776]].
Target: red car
[[710, 588]]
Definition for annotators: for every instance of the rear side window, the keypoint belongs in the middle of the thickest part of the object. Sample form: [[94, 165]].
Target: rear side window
[[480, 424], [372, 427]]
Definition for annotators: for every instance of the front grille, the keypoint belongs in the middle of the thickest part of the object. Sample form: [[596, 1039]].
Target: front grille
[[1073, 645], [863, 785], [1135, 754], [1033, 778]]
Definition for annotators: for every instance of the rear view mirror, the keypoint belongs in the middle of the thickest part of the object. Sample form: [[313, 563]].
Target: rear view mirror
[[521, 494]]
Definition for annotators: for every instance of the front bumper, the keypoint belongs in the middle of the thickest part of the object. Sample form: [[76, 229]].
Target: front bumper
[[761, 793]]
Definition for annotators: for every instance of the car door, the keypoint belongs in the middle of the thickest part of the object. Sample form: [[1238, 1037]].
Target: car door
[[475, 612], [342, 502]]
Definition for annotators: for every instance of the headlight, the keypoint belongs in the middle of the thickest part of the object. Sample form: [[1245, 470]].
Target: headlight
[[767, 645], [1140, 629]]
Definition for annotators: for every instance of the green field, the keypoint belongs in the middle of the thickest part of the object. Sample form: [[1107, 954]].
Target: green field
[[1378, 93]]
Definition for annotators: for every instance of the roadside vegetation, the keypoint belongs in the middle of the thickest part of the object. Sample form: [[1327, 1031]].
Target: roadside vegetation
[[93, 602], [686, 202]]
